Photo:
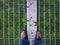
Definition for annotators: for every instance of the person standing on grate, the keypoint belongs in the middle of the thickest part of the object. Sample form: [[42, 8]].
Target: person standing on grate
[[38, 40], [24, 38]]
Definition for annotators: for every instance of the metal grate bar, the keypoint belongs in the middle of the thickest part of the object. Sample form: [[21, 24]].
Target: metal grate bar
[[44, 23], [49, 24], [8, 25], [3, 25], [13, 23], [54, 23]]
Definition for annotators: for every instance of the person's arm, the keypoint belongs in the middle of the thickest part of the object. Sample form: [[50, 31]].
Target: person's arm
[[42, 44], [22, 43], [28, 43], [35, 43]]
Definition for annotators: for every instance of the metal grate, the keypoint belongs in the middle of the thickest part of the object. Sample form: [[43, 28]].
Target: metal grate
[[13, 20]]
